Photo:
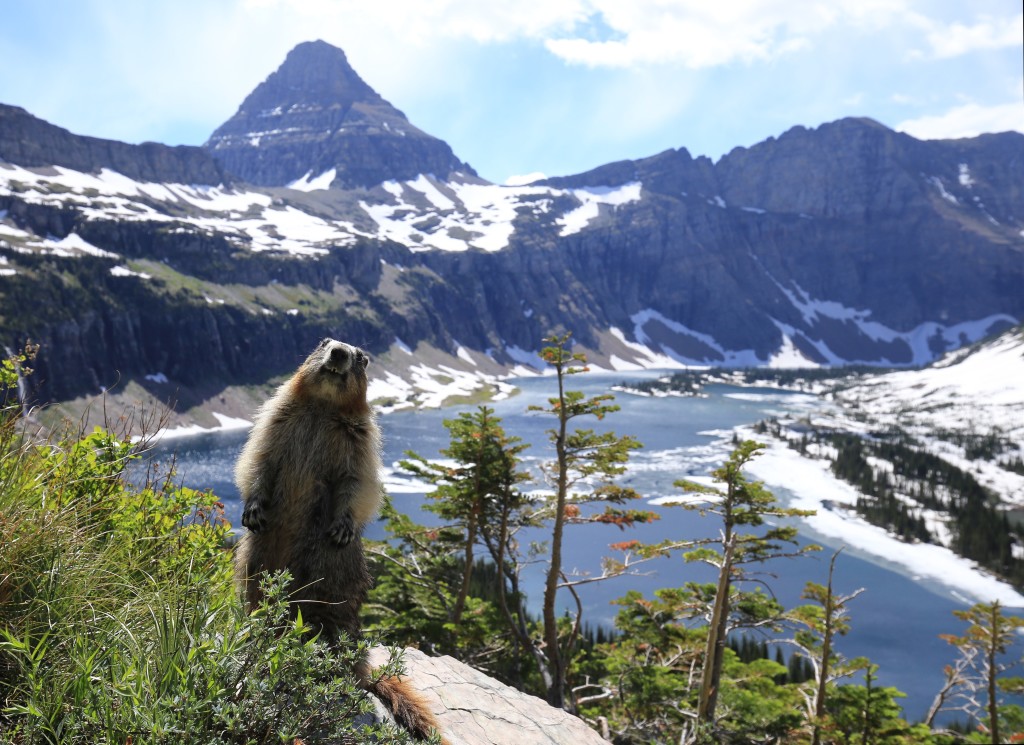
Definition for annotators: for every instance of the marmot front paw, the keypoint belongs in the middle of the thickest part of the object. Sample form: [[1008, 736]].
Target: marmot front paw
[[254, 517], [342, 530]]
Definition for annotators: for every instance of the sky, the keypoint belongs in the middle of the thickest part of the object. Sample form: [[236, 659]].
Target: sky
[[522, 87]]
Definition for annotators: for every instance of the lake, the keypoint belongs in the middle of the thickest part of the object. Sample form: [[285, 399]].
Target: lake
[[896, 622]]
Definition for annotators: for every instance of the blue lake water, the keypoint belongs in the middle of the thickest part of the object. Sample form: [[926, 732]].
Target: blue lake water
[[896, 622]]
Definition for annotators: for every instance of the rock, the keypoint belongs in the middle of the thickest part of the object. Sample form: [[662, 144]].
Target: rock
[[474, 709]]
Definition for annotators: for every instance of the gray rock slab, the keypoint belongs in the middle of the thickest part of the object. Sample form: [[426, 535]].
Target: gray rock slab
[[474, 709]]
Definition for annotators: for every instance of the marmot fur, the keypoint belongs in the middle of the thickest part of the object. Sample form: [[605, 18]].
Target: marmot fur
[[309, 477]]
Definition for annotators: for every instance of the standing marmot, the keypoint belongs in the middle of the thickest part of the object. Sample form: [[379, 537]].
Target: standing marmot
[[309, 476]]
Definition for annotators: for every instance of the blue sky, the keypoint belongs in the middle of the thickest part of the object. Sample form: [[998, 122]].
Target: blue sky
[[524, 86]]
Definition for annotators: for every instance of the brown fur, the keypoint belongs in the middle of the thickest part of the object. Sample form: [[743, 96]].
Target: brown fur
[[409, 706], [309, 476]]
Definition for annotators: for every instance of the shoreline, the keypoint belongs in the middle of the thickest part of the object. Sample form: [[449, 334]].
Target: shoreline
[[806, 483], [225, 424]]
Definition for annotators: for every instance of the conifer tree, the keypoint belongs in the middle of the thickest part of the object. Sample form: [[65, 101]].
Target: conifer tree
[[467, 493], [741, 503], [822, 623], [430, 571], [586, 463], [869, 714], [988, 637]]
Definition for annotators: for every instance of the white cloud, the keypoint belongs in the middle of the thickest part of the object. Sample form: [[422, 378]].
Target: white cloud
[[601, 33], [700, 34], [967, 120], [425, 19], [988, 32]]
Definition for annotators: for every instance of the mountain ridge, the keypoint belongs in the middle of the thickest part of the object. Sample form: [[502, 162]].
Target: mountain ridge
[[848, 242], [29, 141]]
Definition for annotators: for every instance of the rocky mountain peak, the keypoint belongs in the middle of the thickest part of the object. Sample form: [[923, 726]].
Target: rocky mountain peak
[[314, 73], [315, 118]]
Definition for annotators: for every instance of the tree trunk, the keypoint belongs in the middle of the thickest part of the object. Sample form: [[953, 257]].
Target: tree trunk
[[714, 650], [826, 654], [556, 665], [467, 570], [993, 708]]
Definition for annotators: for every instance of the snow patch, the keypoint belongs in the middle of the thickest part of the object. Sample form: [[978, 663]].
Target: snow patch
[[244, 217], [323, 181], [919, 340], [123, 271], [591, 198], [937, 183], [523, 357], [73, 242], [476, 216], [423, 185], [526, 178], [965, 176], [224, 423], [789, 357], [726, 357]]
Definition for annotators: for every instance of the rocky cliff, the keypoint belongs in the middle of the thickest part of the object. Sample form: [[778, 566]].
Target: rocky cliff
[[845, 243], [32, 142]]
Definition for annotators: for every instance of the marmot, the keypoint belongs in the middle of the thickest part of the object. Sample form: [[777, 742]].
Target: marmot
[[309, 477]]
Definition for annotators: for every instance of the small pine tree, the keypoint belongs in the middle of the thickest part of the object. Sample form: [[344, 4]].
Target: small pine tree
[[583, 457], [741, 503]]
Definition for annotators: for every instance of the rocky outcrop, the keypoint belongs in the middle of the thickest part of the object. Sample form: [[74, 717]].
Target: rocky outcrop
[[474, 709], [315, 115], [31, 142]]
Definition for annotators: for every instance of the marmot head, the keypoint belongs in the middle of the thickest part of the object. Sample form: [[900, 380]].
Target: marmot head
[[336, 373]]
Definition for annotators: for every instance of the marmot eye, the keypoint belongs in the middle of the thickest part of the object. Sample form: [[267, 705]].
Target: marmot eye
[[362, 359], [324, 342]]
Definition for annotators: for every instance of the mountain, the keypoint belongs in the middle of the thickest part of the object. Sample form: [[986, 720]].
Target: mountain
[[315, 119], [187, 270]]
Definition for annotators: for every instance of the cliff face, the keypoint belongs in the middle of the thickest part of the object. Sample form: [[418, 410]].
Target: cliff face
[[849, 242], [315, 116], [29, 141]]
